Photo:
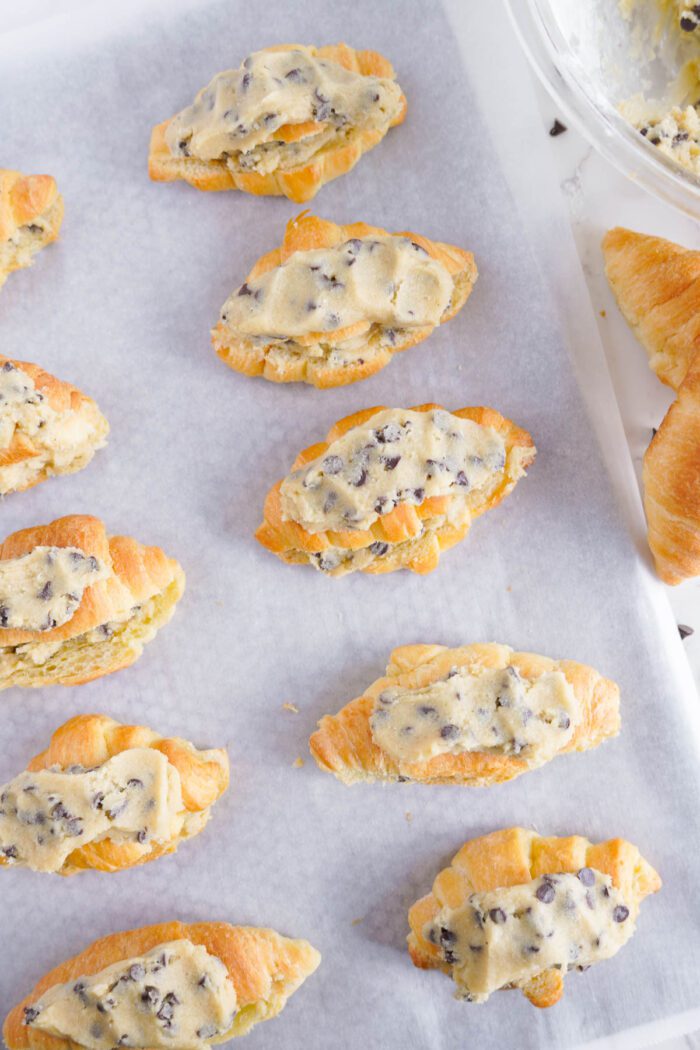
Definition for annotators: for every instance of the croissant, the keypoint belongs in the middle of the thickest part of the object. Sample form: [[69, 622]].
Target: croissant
[[47, 426], [31, 213], [392, 488], [671, 478], [332, 324], [76, 603], [290, 119], [561, 902], [115, 814], [248, 974], [425, 720], [657, 287]]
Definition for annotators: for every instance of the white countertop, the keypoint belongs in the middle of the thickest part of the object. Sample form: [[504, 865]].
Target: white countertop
[[598, 197]]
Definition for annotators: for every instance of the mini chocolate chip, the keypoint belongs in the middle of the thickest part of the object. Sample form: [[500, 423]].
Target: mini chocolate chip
[[564, 721], [46, 591], [98, 799], [497, 915], [332, 464], [419, 494], [378, 549], [545, 893], [10, 852], [426, 709], [141, 836], [207, 1031], [449, 731], [295, 75], [531, 949], [134, 782], [58, 812], [586, 876], [244, 290], [74, 827], [683, 630], [245, 81], [447, 936], [557, 128], [150, 995], [30, 1014], [359, 479], [136, 972], [620, 913], [461, 479], [390, 462], [4, 615]]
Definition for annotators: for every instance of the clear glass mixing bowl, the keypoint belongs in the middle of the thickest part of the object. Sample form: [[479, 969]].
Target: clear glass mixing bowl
[[589, 58]]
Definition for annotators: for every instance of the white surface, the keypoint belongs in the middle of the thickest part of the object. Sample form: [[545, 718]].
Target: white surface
[[135, 332]]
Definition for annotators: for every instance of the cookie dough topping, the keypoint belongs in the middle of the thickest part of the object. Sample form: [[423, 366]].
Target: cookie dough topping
[[177, 996], [503, 938], [275, 101], [45, 815], [42, 589], [493, 711], [399, 456], [385, 280]]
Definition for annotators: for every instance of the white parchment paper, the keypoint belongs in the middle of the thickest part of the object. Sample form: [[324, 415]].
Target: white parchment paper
[[122, 306]]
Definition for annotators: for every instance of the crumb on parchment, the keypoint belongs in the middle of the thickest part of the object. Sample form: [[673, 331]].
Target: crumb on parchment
[[291, 707], [298, 763]]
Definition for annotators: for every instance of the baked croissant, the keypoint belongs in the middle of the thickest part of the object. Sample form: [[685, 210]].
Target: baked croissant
[[76, 603], [477, 715], [247, 976], [671, 478], [517, 910], [657, 287], [107, 796], [333, 304], [391, 488], [290, 119], [47, 426], [31, 213]]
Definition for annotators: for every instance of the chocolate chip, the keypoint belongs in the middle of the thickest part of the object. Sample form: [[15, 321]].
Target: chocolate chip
[[447, 936], [58, 812], [30, 1014], [620, 913], [311, 306], [46, 591], [204, 981], [545, 893], [419, 495], [167, 1010], [207, 1031], [134, 782], [461, 479], [586, 876], [390, 462], [244, 290], [150, 995], [449, 731], [141, 836], [245, 81], [388, 434], [4, 615], [98, 799], [557, 128], [498, 916], [378, 549], [564, 721], [295, 75], [74, 827], [683, 630], [332, 464], [531, 949], [10, 852], [360, 478], [426, 710]]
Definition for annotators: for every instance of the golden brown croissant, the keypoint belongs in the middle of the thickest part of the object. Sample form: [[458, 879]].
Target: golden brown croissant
[[672, 485], [134, 593], [85, 743], [489, 867], [346, 745], [657, 287], [409, 530], [335, 355], [264, 968], [289, 156], [31, 213], [47, 426]]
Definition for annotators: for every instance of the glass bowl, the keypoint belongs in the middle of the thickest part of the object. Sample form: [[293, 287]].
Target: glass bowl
[[591, 58]]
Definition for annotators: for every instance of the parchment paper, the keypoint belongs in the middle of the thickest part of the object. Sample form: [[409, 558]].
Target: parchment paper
[[122, 306]]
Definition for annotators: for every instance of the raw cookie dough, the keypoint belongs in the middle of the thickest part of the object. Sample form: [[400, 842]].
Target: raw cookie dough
[[45, 815], [495, 711], [506, 936], [176, 996], [391, 281], [278, 109], [400, 456], [41, 590]]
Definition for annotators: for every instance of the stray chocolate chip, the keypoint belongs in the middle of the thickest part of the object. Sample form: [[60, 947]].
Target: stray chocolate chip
[[557, 128], [685, 631]]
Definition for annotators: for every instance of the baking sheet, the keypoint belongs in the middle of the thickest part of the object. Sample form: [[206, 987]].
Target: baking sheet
[[122, 306]]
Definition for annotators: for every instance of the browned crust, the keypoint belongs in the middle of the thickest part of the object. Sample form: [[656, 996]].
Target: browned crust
[[305, 233], [62, 397], [265, 969], [343, 743], [23, 199], [514, 856], [298, 184], [404, 523], [91, 740], [672, 485], [657, 287]]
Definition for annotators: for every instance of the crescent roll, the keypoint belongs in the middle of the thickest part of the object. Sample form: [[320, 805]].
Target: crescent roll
[[47, 426], [76, 603], [477, 715], [517, 910], [31, 213], [657, 287], [288, 120], [391, 488], [333, 304], [106, 796], [170, 985]]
